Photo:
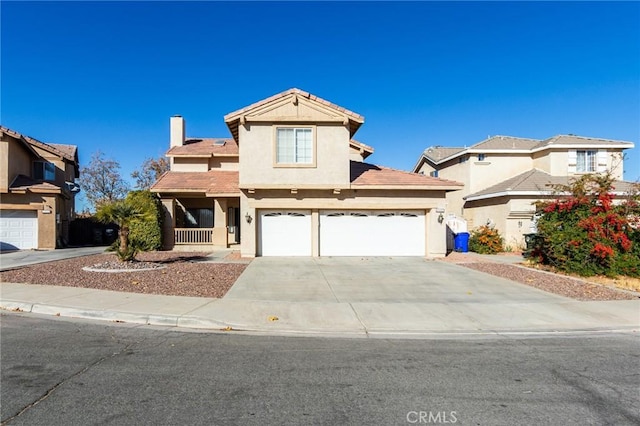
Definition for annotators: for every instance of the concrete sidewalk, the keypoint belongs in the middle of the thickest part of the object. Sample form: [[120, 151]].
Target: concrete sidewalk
[[383, 319]]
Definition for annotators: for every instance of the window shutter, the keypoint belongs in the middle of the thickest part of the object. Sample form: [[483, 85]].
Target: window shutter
[[572, 160], [602, 160]]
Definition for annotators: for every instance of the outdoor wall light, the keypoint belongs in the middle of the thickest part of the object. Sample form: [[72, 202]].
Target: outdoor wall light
[[248, 217], [440, 218]]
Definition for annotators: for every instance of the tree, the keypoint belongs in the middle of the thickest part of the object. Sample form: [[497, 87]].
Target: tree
[[122, 212], [101, 181], [150, 172], [584, 231]]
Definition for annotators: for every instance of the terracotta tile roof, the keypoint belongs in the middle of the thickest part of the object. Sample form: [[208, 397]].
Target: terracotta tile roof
[[372, 175], [531, 182], [211, 182], [25, 183], [205, 146], [70, 150], [63, 151]]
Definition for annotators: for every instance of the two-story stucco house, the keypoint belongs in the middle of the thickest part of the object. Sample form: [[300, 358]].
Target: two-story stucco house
[[37, 189], [503, 176], [292, 181]]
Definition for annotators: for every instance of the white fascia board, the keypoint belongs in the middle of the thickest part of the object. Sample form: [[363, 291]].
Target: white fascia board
[[524, 193], [507, 193], [584, 146]]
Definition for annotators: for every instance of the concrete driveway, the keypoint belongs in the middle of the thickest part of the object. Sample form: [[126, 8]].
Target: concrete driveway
[[377, 280], [15, 259]]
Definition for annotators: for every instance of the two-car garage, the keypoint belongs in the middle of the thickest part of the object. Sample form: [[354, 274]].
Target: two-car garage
[[342, 233]]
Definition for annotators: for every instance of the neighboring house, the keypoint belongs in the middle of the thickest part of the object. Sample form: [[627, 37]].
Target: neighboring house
[[504, 175], [292, 181], [37, 191]]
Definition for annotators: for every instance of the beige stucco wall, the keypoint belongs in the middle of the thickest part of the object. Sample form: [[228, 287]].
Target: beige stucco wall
[[224, 163], [21, 162], [316, 200], [258, 167], [189, 164], [495, 168], [542, 161], [558, 162]]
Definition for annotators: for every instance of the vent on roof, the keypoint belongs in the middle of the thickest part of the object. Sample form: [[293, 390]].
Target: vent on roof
[[219, 142]]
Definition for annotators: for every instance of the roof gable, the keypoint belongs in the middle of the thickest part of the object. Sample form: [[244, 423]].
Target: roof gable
[[293, 106]]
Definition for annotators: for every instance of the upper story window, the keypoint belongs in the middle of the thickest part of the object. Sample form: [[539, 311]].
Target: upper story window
[[294, 145], [586, 161], [481, 157], [433, 173], [43, 170]]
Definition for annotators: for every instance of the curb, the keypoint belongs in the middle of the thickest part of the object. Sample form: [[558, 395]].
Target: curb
[[190, 323]]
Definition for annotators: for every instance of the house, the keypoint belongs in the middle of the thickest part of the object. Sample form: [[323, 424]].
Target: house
[[292, 181], [504, 175], [37, 187]]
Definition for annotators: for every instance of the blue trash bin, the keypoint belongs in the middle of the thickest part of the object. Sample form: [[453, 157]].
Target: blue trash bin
[[461, 242]]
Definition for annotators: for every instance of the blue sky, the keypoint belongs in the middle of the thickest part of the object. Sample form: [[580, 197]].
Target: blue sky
[[108, 76]]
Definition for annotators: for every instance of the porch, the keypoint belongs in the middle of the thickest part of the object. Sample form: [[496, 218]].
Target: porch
[[201, 222]]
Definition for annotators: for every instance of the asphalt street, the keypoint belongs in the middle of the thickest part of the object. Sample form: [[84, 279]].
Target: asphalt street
[[62, 372]]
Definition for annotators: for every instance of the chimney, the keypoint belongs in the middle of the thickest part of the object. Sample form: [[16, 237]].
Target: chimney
[[177, 131]]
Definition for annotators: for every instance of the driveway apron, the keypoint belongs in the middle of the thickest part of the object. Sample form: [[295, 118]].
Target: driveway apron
[[377, 279]]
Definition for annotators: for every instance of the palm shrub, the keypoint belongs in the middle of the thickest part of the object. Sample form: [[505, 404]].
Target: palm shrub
[[123, 213], [486, 240], [582, 231]]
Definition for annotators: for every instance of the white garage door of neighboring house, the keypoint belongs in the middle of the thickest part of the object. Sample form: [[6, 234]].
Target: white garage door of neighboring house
[[284, 233], [18, 229], [372, 233]]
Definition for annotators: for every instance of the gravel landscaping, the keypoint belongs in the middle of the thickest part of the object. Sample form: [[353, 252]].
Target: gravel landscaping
[[185, 274], [574, 288]]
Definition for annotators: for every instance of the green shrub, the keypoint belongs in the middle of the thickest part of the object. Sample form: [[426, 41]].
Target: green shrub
[[146, 232], [587, 233], [486, 240]]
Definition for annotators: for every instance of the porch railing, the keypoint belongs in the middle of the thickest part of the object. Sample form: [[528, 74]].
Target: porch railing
[[194, 235]]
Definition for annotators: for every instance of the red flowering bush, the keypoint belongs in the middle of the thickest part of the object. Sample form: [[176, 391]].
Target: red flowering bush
[[583, 231]]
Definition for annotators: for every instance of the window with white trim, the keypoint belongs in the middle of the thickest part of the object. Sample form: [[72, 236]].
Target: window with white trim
[[586, 161], [44, 170], [294, 145]]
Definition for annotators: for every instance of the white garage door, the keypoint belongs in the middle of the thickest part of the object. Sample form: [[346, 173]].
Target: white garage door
[[18, 229], [372, 233], [284, 233]]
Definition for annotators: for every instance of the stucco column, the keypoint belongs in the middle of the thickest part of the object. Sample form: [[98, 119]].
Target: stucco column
[[436, 234], [248, 235], [169, 223], [315, 233]]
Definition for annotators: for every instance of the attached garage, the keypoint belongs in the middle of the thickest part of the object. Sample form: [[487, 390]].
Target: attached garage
[[18, 229], [284, 233], [372, 233]]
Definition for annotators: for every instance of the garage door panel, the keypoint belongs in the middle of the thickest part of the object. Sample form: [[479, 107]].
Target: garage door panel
[[18, 229], [372, 233], [285, 233]]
